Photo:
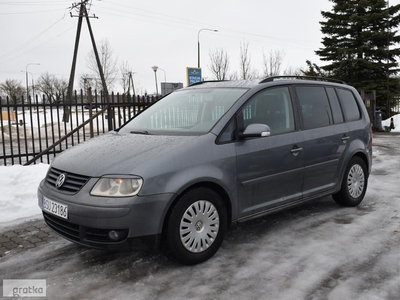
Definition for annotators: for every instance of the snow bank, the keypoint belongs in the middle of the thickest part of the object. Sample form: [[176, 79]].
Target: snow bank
[[18, 199], [396, 121]]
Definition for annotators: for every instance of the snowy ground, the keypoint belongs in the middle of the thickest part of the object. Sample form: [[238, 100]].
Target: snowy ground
[[48, 121], [316, 251], [19, 184], [396, 121]]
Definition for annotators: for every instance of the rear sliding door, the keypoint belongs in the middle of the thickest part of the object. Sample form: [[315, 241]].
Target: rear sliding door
[[325, 137]]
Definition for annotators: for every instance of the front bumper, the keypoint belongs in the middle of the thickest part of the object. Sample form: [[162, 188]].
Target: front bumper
[[137, 220], [99, 238]]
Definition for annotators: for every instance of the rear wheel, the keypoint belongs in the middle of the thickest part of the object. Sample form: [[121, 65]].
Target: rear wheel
[[354, 184], [196, 226]]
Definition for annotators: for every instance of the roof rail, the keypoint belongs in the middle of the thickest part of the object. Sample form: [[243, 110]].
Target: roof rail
[[205, 81], [316, 78]]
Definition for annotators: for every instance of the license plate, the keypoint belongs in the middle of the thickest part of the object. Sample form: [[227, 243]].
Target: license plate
[[55, 208]]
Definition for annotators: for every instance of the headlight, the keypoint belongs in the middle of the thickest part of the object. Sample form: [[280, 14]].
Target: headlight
[[117, 186]]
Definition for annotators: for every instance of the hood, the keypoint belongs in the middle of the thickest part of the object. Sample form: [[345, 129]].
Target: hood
[[115, 153]]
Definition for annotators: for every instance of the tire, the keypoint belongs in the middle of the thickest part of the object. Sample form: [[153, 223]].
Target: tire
[[196, 226], [354, 184]]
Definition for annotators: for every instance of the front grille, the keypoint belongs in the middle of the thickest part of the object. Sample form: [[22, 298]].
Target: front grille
[[72, 184]]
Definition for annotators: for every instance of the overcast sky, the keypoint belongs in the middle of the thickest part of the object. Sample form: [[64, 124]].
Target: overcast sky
[[156, 32]]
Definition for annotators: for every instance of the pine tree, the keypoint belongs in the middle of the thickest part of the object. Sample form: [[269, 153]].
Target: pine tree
[[361, 45]]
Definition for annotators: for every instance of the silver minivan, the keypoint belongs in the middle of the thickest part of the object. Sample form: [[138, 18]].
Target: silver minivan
[[208, 156]]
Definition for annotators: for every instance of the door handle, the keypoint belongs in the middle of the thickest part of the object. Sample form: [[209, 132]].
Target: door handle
[[296, 150], [345, 138]]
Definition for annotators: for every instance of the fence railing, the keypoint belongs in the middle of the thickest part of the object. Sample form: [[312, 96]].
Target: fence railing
[[30, 129]]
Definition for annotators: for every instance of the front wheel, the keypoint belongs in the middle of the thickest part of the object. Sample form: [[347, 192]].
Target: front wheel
[[354, 184], [196, 226]]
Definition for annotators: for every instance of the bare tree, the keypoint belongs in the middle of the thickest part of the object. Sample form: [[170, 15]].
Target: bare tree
[[108, 63], [12, 89], [219, 63], [292, 71], [246, 72], [233, 76], [273, 62], [52, 87]]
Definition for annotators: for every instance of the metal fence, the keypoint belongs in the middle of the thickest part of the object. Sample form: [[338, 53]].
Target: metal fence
[[36, 132]]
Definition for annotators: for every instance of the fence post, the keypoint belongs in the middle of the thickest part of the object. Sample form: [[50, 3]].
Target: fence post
[[89, 93], [109, 113]]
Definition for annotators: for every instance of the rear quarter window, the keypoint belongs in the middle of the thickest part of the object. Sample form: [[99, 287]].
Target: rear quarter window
[[335, 106], [349, 105]]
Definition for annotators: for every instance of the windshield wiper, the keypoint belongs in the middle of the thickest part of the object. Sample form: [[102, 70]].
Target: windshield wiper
[[139, 132]]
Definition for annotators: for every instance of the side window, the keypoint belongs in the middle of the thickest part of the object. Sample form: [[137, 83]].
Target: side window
[[272, 107], [349, 105], [315, 107], [336, 110]]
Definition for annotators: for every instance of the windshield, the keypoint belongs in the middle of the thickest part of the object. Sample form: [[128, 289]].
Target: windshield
[[192, 111]]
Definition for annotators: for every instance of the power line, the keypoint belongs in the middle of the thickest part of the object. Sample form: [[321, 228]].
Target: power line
[[24, 3], [48, 41], [31, 5], [29, 41], [28, 12], [164, 19], [43, 43]]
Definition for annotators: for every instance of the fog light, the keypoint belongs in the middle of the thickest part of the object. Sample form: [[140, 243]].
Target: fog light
[[113, 235]]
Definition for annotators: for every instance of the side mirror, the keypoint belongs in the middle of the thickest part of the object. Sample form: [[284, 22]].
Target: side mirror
[[256, 130]]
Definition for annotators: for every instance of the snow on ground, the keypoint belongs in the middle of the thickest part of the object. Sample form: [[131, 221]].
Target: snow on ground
[[52, 117], [18, 185], [396, 121], [317, 251]]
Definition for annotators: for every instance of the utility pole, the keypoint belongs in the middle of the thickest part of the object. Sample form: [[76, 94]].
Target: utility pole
[[84, 14]]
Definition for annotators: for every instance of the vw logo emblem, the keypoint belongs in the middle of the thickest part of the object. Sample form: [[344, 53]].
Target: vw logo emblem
[[60, 180]]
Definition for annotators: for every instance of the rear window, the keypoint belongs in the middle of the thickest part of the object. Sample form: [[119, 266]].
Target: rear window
[[349, 105]]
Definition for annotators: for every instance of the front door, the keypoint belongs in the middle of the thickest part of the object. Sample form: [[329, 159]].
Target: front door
[[269, 169]]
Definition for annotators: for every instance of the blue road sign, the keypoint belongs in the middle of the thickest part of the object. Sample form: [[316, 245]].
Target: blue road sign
[[193, 75]]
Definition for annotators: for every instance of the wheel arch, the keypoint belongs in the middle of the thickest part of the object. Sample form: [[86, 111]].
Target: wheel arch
[[359, 148], [206, 184], [364, 157], [353, 187], [360, 154]]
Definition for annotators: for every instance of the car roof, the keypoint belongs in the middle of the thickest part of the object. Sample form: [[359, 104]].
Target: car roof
[[274, 79], [225, 83]]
